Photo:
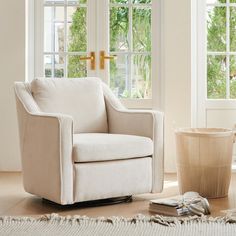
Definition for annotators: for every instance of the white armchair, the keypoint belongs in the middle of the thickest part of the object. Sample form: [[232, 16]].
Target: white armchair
[[78, 142]]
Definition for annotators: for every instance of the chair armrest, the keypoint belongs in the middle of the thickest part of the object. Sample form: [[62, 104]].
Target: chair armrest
[[143, 123], [46, 142], [47, 156], [134, 122]]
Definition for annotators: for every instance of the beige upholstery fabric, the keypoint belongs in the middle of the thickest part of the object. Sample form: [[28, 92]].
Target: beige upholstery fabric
[[139, 122], [99, 180], [82, 99], [46, 141], [46, 150], [104, 147]]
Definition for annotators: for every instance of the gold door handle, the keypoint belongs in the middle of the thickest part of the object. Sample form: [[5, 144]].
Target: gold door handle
[[103, 57], [92, 59]]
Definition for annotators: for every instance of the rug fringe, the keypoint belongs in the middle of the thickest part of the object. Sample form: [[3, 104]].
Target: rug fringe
[[162, 220]]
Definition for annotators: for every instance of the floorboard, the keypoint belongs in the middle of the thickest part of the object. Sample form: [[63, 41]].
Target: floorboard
[[15, 201]]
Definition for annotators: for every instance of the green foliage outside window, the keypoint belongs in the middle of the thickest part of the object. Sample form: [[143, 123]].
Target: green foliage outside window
[[141, 32], [216, 42], [140, 84], [77, 43]]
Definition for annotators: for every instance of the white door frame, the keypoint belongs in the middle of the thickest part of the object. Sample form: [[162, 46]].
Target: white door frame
[[198, 63], [92, 33]]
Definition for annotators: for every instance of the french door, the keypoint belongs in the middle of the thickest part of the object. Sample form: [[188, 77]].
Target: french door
[[116, 40], [217, 60], [217, 64]]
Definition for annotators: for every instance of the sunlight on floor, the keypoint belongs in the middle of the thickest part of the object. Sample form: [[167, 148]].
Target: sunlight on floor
[[234, 167], [169, 184]]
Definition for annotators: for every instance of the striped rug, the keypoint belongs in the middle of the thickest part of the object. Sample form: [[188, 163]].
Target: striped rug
[[139, 225]]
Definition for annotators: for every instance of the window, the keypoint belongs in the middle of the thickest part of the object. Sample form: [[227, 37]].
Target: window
[[65, 38], [131, 41], [221, 49], [216, 64]]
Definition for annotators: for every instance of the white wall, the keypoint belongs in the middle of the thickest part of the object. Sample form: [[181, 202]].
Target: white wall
[[12, 16], [177, 73]]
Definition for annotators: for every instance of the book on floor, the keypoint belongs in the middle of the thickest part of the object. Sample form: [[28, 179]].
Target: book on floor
[[190, 203], [167, 206]]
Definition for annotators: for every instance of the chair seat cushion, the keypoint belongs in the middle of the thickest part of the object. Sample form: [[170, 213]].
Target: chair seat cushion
[[91, 147]]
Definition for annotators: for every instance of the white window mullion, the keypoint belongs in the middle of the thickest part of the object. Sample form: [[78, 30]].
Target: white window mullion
[[216, 53], [65, 39], [38, 39], [93, 41], [53, 41], [227, 50], [130, 38], [130, 52], [141, 5], [30, 39]]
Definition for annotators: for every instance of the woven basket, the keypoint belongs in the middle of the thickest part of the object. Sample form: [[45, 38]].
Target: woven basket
[[204, 159]]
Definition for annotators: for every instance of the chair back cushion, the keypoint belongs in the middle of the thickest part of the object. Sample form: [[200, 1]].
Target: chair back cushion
[[82, 98]]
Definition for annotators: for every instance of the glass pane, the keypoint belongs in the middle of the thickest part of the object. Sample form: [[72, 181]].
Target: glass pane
[[59, 14], [141, 76], [215, 1], [233, 77], [119, 81], [77, 29], [59, 66], [119, 1], [76, 2], [216, 77], [48, 19], [119, 27], [70, 13], [232, 28], [142, 29], [216, 27], [76, 68], [59, 37], [48, 66], [54, 1], [142, 1]]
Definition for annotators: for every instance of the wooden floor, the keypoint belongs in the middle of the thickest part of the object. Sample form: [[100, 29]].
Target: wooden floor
[[15, 201]]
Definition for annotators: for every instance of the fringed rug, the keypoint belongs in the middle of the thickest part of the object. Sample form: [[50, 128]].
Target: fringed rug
[[140, 225]]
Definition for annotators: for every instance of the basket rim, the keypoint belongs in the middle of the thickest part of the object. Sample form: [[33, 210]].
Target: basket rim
[[212, 132]]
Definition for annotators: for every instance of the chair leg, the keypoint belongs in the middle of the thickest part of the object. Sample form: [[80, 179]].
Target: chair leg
[[108, 201], [94, 203]]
